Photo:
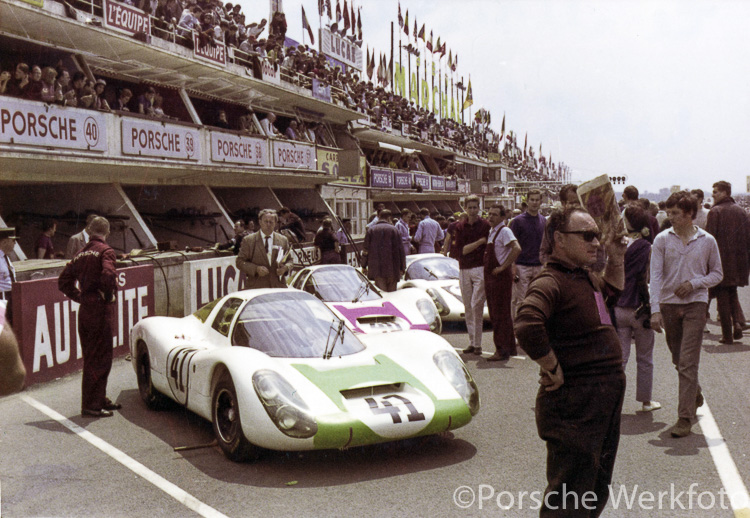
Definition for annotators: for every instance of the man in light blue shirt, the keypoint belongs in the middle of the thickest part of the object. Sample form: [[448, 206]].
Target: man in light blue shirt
[[428, 232], [685, 262]]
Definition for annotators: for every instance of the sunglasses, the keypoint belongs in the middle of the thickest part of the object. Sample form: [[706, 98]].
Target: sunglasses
[[587, 235]]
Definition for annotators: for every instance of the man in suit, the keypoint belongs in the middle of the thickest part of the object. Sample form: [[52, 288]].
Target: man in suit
[[79, 240], [264, 255], [383, 255]]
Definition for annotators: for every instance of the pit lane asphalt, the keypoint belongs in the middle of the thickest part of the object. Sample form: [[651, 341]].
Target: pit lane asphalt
[[47, 470]]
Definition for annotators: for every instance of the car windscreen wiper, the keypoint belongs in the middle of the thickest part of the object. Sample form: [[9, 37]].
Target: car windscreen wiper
[[339, 331], [430, 272], [363, 290]]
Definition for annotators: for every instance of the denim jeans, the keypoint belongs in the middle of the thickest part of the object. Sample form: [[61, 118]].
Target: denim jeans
[[683, 325], [630, 328]]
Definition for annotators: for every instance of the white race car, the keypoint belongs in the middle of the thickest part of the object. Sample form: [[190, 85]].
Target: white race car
[[365, 308], [277, 369], [438, 276]]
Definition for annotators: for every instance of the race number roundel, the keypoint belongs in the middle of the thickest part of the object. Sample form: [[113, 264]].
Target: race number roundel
[[394, 415]]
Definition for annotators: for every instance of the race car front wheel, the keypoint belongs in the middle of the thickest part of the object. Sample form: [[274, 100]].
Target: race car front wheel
[[227, 424], [154, 399]]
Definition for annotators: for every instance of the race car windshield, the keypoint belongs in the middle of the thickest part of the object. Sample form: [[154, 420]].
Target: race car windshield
[[343, 284], [291, 325], [433, 269]]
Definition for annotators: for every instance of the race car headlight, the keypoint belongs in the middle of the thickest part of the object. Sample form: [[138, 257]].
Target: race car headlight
[[284, 406], [454, 369], [430, 314], [439, 301]]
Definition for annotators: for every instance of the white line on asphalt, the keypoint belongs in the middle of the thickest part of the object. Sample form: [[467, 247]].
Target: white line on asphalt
[[172, 490], [730, 477]]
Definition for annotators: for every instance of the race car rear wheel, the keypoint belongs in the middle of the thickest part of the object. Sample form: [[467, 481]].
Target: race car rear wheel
[[154, 399], [227, 424]]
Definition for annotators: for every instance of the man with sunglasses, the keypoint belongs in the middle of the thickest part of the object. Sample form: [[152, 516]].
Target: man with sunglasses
[[685, 263], [564, 325]]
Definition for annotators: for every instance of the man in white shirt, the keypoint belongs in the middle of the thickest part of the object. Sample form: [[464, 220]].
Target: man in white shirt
[[499, 255], [268, 127], [79, 240], [7, 271], [685, 262], [264, 256], [428, 233]]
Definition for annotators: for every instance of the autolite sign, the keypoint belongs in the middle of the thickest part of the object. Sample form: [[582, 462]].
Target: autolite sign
[[125, 18], [45, 125], [46, 321]]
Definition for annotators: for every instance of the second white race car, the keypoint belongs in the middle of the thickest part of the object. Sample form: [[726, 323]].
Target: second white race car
[[437, 275], [365, 308]]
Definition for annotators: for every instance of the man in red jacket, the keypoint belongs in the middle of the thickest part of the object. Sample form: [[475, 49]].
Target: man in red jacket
[[93, 268]]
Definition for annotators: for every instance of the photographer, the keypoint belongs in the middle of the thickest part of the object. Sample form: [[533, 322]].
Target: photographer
[[633, 311]]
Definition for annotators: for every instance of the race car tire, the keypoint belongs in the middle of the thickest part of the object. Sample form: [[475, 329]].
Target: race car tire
[[227, 425], [153, 399]]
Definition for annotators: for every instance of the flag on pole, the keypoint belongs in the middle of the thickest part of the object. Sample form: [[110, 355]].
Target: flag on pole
[[415, 28], [390, 70], [455, 62], [352, 18], [502, 128], [321, 7], [406, 23], [338, 11], [400, 18], [437, 46], [367, 58], [347, 22], [450, 59], [371, 65], [469, 97], [306, 25], [429, 43], [421, 33], [328, 9], [359, 24], [442, 50], [525, 143]]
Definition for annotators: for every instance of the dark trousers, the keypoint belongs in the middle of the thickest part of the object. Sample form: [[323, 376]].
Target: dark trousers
[[581, 425], [730, 312], [386, 283], [95, 325], [499, 292]]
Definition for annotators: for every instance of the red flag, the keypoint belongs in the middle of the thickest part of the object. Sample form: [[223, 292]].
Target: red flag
[[415, 28], [429, 43], [321, 7], [370, 63], [455, 62], [306, 25], [502, 129], [390, 70], [359, 23], [400, 18], [421, 33], [352, 18], [406, 23], [442, 50], [525, 143], [437, 46], [328, 9], [338, 11]]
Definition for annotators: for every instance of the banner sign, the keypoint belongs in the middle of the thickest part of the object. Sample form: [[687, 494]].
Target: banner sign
[[401, 180], [46, 125], [328, 161], [320, 90], [293, 155], [340, 48], [437, 183], [216, 54], [156, 139], [423, 180], [386, 124], [210, 279], [451, 184], [126, 18], [46, 322], [269, 74], [238, 149], [382, 178], [404, 129]]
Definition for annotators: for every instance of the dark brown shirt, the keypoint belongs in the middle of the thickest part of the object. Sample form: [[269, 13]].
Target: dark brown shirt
[[565, 311], [467, 233]]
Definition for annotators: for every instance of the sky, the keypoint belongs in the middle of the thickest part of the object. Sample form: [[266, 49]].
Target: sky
[[656, 91]]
